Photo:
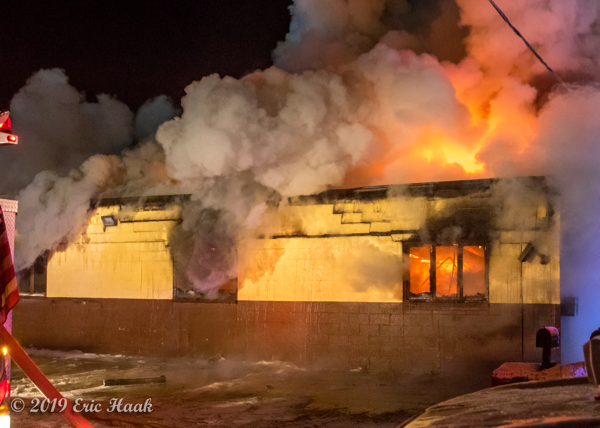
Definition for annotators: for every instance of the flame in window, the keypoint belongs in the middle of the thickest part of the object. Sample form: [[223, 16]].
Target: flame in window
[[420, 262]]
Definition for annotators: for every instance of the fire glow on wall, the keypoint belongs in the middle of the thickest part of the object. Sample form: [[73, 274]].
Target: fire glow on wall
[[390, 276]]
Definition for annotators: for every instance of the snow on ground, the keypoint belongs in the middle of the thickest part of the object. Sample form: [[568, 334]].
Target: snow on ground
[[232, 393]]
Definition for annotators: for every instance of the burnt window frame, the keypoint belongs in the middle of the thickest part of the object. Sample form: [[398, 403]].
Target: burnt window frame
[[33, 281], [431, 295], [182, 293], [190, 296]]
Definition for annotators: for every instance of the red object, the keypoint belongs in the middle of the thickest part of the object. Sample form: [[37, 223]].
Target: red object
[[10, 297], [42, 383], [4, 388], [9, 291], [5, 126], [12, 138]]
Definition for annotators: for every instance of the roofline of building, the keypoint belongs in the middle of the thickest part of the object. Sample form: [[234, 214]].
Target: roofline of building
[[439, 189], [156, 202]]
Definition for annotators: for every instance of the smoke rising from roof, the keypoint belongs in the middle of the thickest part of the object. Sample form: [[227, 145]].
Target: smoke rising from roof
[[364, 92]]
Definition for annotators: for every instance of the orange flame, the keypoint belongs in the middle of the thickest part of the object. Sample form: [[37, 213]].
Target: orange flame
[[446, 271], [496, 127]]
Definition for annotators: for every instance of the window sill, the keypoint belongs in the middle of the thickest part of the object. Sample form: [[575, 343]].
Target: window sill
[[201, 300], [447, 300], [32, 295]]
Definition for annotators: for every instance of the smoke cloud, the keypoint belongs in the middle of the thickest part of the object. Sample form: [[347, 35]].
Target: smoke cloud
[[151, 115], [55, 209], [60, 128], [362, 92]]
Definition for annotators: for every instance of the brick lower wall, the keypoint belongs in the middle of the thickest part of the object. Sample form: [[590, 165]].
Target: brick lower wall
[[402, 337]]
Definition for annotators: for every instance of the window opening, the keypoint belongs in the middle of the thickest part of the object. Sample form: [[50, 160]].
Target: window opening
[[447, 272]]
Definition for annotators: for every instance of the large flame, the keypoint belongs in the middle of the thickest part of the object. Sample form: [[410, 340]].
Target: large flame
[[487, 129]]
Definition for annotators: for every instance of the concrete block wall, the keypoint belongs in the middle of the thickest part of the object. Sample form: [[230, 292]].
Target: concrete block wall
[[126, 326], [401, 337], [398, 337]]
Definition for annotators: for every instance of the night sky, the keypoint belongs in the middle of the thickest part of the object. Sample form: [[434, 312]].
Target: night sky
[[137, 50]]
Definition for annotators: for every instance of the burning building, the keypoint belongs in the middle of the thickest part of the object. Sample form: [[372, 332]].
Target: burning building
[[360, 94], [427, 277]]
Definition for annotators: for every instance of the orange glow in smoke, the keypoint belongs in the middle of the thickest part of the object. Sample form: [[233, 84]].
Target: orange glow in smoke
[[495, 123]]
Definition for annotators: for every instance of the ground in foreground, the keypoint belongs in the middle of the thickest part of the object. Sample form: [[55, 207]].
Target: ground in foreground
[[231, 393]]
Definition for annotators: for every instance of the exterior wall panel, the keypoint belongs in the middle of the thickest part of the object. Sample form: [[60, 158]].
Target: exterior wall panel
[[505, 273], [337, 269], [128, 261]]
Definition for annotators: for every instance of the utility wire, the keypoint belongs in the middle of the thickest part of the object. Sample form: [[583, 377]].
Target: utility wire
[[527, 44]]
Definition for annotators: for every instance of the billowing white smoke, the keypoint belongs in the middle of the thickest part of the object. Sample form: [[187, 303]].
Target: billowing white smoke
[[326, 34], [567, 35], [54, 209], [295, 134], [241, 143], [564, 32], [569, 147], [60, 129], [367, 104]]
